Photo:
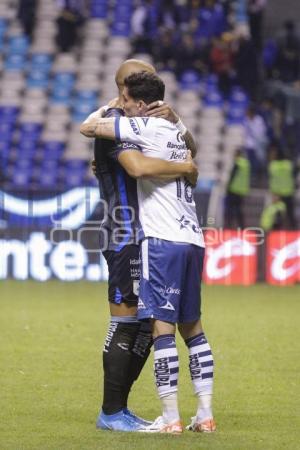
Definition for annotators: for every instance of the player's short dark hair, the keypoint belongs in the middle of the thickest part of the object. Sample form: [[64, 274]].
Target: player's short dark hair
[[145, 86]]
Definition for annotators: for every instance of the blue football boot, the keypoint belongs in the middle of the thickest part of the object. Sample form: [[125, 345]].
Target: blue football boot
[[137, 418], [117, 422]]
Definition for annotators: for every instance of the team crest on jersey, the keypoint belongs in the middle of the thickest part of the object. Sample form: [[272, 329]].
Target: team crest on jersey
[[135, 126], [136, 287]]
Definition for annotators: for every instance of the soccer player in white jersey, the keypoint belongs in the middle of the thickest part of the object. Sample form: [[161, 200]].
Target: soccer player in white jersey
[[172, 252]]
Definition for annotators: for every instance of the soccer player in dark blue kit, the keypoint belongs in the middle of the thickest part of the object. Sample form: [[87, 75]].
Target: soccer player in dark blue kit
[[128, 342]]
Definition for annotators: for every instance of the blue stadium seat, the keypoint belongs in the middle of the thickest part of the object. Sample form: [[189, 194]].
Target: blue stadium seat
[[48, 179], [41, 62], [123, 13], [238, 97], [75, 165], [65, 79], [99, 9], [60, 95], [52, 149], [6, 131], [38, 79], [23, 164], [27, 146], [5, 149], [3, 26], [128, 3], [21, 178], [30, 131], [189, 79], [121, 29], [8, 113], [211, 81], [235, 115], [79, 117], [84, 107], [49, 165], [213, 98], [86, 95], [15, 62], [74, 179], [17, 45]]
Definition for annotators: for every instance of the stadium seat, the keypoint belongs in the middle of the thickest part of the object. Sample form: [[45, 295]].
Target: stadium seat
[[238, 97], [213, 98], [38, 79], [17, 45], [8, 113], [235, 115], [120, 29], [60, 95], [189, 80], [41, 62], [99, 9], [15, 62]]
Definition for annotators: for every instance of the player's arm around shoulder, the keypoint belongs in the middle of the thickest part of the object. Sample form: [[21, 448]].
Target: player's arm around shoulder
[[164, 111], [137, 165], [98, 128], [88, 127]]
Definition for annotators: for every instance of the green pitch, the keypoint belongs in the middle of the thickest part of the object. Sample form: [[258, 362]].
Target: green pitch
[[50, 370]]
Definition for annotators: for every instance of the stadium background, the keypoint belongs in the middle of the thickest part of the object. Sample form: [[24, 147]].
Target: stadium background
[[57, 64]]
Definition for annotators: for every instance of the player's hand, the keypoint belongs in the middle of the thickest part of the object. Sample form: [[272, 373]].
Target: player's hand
[[94, 167], [88, 128], [192, 169], [115, 103], [162, 110]]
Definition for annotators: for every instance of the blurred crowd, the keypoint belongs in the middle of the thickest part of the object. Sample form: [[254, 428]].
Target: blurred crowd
[[225, 38]]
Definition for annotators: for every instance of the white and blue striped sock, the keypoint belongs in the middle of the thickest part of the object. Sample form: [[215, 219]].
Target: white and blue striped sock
[[166, 368], [202, 372]]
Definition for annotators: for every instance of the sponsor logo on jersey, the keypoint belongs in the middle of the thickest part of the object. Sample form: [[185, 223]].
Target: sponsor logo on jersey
[[127, 146], [180, 155], [177, 146], [180, 138], [135, 126], [136, 287]]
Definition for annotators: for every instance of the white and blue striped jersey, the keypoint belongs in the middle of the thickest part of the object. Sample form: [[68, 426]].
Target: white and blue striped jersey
[[166, 207]]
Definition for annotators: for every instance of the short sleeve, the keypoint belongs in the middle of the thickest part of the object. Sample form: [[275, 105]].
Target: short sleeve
[[122, 147], [136, 130], [118, 147]]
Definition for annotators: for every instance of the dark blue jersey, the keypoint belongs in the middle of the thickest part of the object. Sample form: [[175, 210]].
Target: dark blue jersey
[[120, 221]]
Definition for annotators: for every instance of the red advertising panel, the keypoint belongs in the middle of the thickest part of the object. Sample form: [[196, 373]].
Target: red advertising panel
[[231, 257], [283, 257]]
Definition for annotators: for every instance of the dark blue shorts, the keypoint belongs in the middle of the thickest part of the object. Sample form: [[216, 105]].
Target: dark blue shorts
[[123, 274], [170, 288]]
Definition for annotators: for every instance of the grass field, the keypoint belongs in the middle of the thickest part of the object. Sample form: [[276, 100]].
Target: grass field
[[50, 370]]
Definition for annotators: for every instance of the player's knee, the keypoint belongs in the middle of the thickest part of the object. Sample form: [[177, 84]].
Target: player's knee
[[190, 329], [160, 328]]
